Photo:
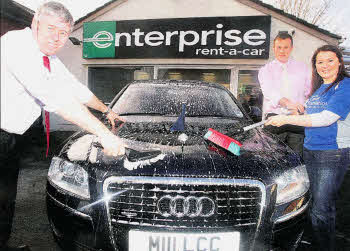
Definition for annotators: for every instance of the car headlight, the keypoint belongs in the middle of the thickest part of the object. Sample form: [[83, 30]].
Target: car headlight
[[69, 176], [292, 185]]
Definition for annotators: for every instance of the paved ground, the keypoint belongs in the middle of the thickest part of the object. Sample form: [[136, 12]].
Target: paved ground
[[31, 225]]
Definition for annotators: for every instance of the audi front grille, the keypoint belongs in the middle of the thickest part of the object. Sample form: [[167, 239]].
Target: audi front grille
[[184, 202]]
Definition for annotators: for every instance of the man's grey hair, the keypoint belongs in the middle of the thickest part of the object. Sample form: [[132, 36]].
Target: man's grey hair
[[55, 9]]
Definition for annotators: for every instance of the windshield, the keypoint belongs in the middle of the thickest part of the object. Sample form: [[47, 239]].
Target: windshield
[[160, 99]]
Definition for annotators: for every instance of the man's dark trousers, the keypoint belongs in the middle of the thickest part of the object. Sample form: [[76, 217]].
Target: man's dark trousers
[[8, 183], [291, 135]]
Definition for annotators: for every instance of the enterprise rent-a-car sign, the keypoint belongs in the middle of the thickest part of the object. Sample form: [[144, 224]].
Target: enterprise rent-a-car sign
[[206, 37]]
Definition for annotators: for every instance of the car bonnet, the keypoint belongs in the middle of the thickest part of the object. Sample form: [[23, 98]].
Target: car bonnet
[[262, 156]]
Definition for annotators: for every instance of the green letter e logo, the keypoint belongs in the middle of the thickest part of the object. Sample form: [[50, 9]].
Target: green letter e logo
[[99, 39]]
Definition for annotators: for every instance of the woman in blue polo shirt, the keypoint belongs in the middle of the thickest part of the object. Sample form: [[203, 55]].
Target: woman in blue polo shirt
[[327, 139]]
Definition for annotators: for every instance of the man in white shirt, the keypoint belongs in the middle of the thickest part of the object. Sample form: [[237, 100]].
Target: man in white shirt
[[32, 78], [285, 84]]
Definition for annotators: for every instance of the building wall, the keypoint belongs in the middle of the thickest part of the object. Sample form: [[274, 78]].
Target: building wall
[[304, 45], [305, 41]]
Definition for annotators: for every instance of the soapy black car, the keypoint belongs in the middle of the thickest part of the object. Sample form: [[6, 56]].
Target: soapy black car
[[174, 190]]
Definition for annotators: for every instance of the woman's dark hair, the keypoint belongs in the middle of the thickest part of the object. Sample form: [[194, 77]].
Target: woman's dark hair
[[317, 80]]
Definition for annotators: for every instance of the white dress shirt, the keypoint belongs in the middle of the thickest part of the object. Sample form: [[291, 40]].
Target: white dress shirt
[[275, 84], [25, 79]]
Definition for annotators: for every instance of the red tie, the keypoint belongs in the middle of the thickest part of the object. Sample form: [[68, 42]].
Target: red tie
[[47, 114]]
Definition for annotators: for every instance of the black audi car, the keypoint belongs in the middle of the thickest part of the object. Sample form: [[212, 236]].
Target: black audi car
[[174, 190]]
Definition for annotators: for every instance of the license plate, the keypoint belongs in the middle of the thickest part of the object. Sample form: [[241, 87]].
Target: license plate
[[162, 241]]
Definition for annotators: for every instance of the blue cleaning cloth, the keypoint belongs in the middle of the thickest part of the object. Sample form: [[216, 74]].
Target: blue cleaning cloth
[[179, 125]]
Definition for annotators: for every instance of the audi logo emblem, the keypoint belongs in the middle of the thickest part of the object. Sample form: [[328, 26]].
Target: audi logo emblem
[[181, 206]]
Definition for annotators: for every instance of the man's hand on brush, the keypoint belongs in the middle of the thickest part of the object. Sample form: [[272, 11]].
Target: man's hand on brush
[[112, 145]]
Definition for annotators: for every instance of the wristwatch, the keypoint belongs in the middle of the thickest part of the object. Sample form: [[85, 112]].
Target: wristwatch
[[108, 111]]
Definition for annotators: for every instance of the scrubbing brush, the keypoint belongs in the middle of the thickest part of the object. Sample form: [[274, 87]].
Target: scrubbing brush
[[224, 141]]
